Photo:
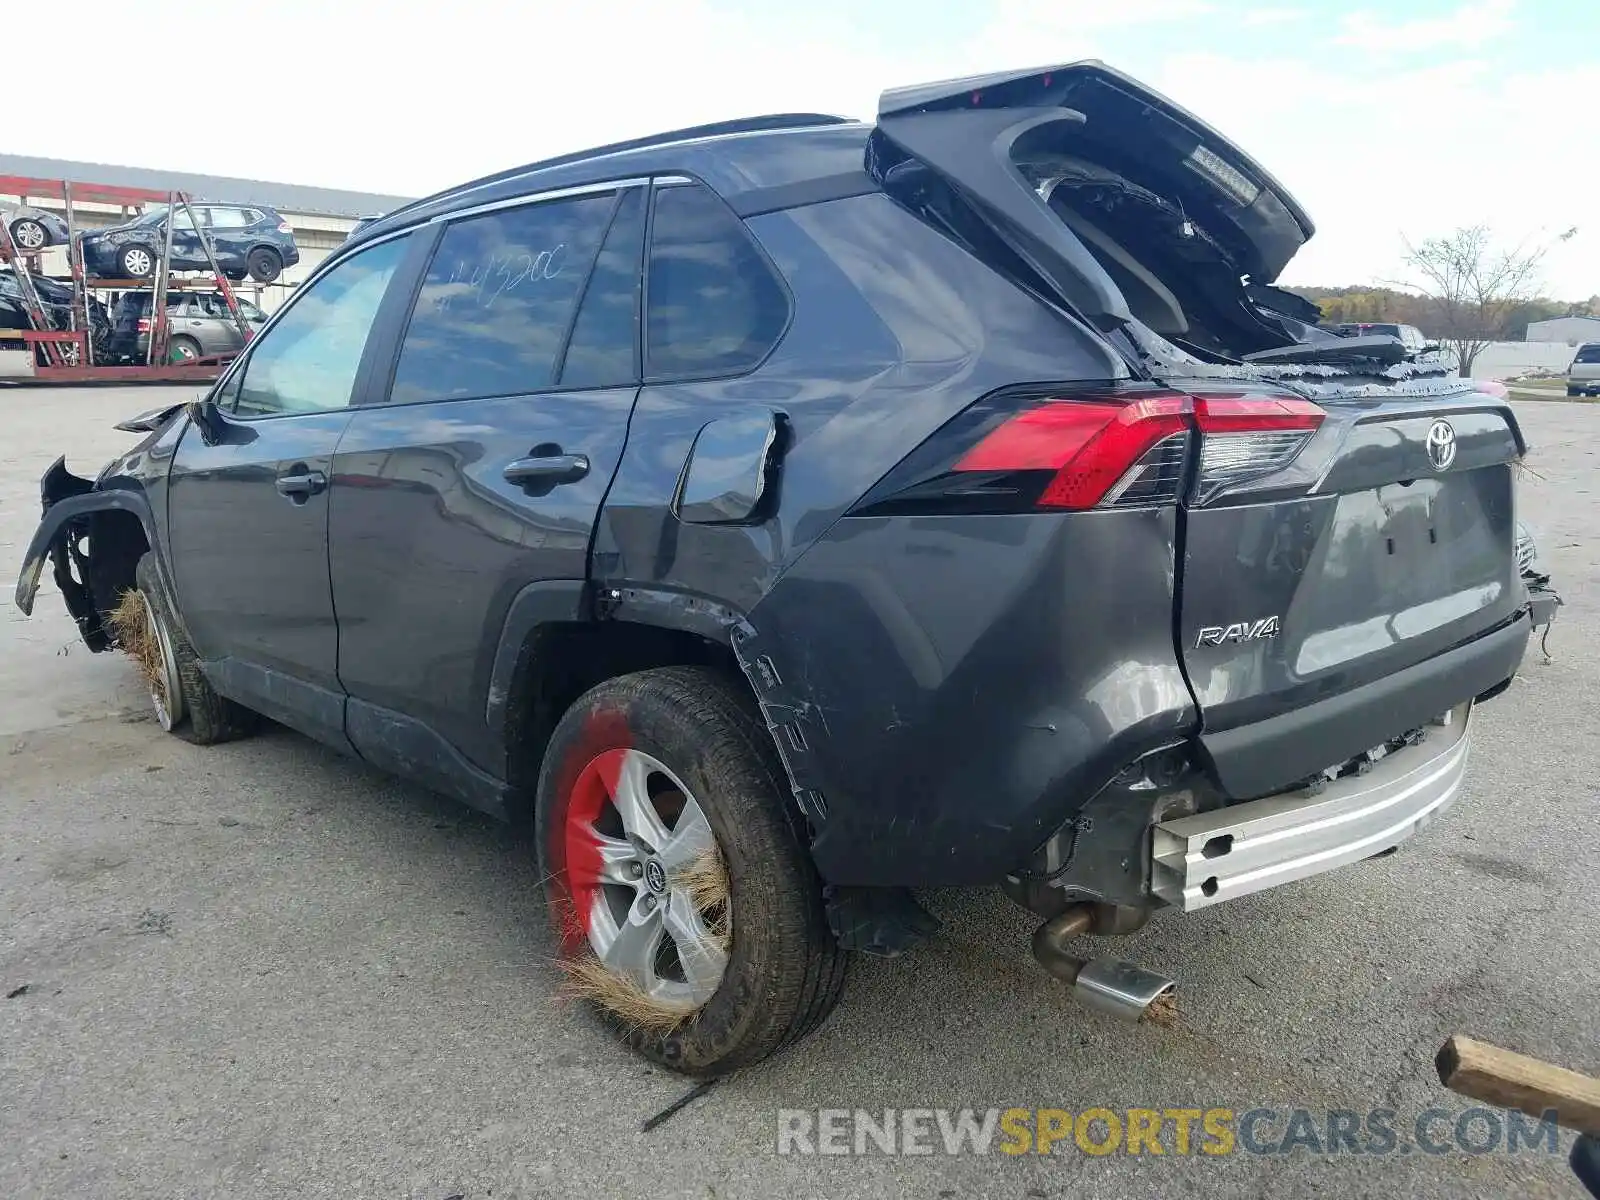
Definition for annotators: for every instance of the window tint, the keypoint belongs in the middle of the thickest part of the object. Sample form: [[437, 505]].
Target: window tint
[[308, 360], [603, 350], [1588, 354], [715, 307], [497, 300]]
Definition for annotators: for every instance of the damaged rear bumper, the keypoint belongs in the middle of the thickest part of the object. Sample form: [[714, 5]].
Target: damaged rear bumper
[[1214, 856]]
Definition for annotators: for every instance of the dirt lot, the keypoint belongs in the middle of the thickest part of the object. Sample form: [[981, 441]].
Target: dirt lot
[[261, 970]]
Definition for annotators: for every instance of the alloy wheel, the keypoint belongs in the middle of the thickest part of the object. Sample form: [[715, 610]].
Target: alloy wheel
[[636, 842], [166, 689], [29, 235]]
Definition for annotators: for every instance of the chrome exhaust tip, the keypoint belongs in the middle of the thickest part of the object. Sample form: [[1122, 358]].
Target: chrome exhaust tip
[[1106, 985], [1125, 990]]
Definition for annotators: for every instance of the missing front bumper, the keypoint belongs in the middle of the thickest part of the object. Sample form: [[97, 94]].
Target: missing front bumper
[[1214, 856]]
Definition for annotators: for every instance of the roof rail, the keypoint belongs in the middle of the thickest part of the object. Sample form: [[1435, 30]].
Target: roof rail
[[773, 121]]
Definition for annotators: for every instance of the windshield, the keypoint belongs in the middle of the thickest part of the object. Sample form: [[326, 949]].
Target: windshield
[[1589, 353]]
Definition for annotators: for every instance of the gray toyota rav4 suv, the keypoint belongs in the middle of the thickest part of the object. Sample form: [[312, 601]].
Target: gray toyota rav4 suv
[[786, 514]]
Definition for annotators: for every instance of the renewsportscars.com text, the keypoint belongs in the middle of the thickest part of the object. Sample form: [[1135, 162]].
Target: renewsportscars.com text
[[1156, 1131]]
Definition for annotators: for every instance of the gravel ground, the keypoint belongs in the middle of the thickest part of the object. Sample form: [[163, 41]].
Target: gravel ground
[[262, 970]]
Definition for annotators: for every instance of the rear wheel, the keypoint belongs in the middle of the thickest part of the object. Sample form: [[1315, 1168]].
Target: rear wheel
[[137, 262], [184, 349], [29, 235], [184, 703], [689, 913], [264, 265]]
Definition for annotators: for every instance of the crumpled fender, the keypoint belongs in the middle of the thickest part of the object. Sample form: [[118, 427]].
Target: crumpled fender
[[58, 515]]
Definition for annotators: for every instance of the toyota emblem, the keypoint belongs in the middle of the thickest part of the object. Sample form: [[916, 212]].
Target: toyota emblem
[[1441, 445]]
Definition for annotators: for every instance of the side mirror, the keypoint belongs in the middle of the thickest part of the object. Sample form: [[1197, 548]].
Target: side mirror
[[214, 426], [207, 418]]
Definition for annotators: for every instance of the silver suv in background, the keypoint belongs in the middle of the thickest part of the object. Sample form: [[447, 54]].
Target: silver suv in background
[[201, 325], [1583, 376]]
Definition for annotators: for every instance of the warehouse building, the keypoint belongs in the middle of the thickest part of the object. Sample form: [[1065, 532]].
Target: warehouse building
[[321, 217], [1567, 331]]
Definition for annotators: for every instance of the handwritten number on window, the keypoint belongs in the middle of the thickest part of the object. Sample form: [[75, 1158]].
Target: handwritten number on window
[[481, 284]]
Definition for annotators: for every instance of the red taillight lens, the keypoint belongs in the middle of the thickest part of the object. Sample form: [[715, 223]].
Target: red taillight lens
[[1133, 448], [285, 227], [144, 324], [1106, 453], [1090, 445]]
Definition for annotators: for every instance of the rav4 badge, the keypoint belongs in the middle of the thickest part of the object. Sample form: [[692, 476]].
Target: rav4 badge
[[1239, 631]]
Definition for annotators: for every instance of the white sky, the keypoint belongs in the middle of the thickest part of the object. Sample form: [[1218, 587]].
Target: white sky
[[1455, 112]]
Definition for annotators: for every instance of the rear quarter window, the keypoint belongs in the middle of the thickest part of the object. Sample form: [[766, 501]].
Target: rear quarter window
[[714, 304]]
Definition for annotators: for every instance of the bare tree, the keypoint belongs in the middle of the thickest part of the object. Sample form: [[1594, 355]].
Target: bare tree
[[1474, 286]]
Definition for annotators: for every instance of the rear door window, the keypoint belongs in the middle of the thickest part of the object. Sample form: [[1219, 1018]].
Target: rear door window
[[498, 299], [715, 305], [228, 218], [604, 348]]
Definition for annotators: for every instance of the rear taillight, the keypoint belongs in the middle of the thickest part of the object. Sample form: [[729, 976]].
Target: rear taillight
[[1094, 448], [1246, 437], [285, 227], [144, 324], [1140, 448]]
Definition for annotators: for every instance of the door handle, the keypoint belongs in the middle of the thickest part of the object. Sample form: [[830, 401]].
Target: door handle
[[551, 469], [301, 486]]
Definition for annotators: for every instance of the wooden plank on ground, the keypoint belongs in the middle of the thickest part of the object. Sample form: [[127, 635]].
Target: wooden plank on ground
[[1515, 1081]]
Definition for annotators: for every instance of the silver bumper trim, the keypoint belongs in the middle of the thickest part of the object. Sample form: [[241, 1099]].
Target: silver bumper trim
[[1215, 856]]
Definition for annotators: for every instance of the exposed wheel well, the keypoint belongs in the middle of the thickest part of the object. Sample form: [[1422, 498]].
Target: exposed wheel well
[[106, 562], [564, 659]]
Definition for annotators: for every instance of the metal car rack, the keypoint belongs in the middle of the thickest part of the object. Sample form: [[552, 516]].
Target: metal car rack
[[68, 356]]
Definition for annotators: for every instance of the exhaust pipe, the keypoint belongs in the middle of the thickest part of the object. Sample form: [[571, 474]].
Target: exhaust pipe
[[1105, 984]]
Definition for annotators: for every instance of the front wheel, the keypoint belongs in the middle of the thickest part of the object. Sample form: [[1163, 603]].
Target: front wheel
[[29, 235], [184, 702], [688, 910], [137, 262]]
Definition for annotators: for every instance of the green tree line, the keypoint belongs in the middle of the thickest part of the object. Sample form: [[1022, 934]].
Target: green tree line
[[1368, 303]]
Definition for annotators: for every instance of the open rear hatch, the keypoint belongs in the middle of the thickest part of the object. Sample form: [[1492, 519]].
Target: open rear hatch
[[1347, 567]]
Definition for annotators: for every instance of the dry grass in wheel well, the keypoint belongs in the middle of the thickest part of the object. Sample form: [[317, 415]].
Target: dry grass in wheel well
[[130, 632]]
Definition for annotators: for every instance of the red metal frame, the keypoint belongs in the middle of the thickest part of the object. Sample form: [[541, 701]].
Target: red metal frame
[[55, 342], [88, 193]]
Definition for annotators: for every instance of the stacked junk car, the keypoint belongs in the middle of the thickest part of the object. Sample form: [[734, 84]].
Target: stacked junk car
[[130, 309], [944, 500]]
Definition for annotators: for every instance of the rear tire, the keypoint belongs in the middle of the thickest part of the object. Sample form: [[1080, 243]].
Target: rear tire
[[683, 735], [264, 265], [184, 349], [189, 708]]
